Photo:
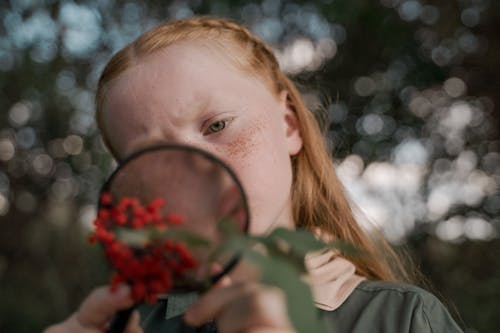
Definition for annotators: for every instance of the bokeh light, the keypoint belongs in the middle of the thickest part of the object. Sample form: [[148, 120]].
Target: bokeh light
[[407, 91]]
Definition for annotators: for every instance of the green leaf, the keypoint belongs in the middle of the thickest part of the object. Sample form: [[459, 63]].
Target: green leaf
[[187, 237], [275, 250], [134, 238], [228, 227], [141, 237], [300, 241], [233, 245], [281, 273]]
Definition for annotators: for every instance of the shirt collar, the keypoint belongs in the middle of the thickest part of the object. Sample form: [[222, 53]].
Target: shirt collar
[[331, 277]]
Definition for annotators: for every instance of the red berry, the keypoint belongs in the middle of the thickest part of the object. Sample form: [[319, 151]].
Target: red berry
[[92, 239], [106, 199], [138, 291], [103, 214], [175, 219], [156, 204]]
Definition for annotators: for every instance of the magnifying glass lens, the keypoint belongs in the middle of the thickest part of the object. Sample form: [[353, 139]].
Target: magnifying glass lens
[[161, 218]]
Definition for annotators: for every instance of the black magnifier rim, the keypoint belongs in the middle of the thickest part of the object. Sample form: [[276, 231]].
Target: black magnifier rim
[[185, 148]]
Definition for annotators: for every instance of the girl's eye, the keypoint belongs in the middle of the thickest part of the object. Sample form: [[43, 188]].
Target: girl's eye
[[217, 126]]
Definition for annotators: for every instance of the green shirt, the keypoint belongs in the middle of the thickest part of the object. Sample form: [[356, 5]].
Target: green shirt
[[379, 306], [373, 306]]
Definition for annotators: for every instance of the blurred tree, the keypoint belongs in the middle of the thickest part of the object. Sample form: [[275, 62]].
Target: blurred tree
[[408, 90]]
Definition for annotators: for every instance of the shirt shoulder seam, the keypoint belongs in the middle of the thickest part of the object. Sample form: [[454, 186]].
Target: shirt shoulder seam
[[402, 289]]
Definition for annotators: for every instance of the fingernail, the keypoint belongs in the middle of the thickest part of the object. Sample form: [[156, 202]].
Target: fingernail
[[122, 290]]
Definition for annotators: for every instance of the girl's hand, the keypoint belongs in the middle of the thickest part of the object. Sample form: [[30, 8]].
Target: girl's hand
[[96, 312], [242, 308]]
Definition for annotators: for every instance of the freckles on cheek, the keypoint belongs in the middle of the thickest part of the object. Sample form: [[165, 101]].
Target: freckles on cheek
[[246, 141]]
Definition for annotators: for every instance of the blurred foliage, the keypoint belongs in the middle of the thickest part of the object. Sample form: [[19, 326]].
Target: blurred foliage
[[410, 91], [465, 276]]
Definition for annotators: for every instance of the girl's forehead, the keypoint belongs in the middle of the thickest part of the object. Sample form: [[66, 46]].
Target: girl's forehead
[[183, 61], [184, 67], [195, 53], [180, 78]]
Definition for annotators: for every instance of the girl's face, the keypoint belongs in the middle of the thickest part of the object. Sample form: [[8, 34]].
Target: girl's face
[[191, 94]]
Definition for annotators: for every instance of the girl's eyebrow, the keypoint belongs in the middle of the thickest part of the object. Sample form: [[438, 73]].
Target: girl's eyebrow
[[143, 144]]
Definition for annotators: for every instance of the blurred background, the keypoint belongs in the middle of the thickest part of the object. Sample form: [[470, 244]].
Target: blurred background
[[408, 91]]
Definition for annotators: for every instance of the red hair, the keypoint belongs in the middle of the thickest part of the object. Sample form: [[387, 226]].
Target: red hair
[[318, 198]]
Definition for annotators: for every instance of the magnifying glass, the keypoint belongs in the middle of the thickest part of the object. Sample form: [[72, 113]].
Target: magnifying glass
[[162, 215]]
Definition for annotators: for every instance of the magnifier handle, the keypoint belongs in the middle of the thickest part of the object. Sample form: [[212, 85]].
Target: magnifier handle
[[119, 322]]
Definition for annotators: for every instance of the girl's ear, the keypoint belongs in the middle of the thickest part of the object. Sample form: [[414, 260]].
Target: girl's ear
[[291, 125]]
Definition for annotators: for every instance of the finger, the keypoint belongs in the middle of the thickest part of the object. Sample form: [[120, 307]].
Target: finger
[[57, 328], [270, 330], [71, 325], [133, 325], [212, 302], [102, 304], [223, 282], [265, 308]]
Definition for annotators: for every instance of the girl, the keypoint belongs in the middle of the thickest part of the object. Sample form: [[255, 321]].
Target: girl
[[212, 84]]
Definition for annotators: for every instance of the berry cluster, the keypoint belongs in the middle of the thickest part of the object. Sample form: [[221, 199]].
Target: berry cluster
[[150, 266]]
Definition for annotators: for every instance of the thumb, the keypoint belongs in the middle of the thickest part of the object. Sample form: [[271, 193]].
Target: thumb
[[102, 304]]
